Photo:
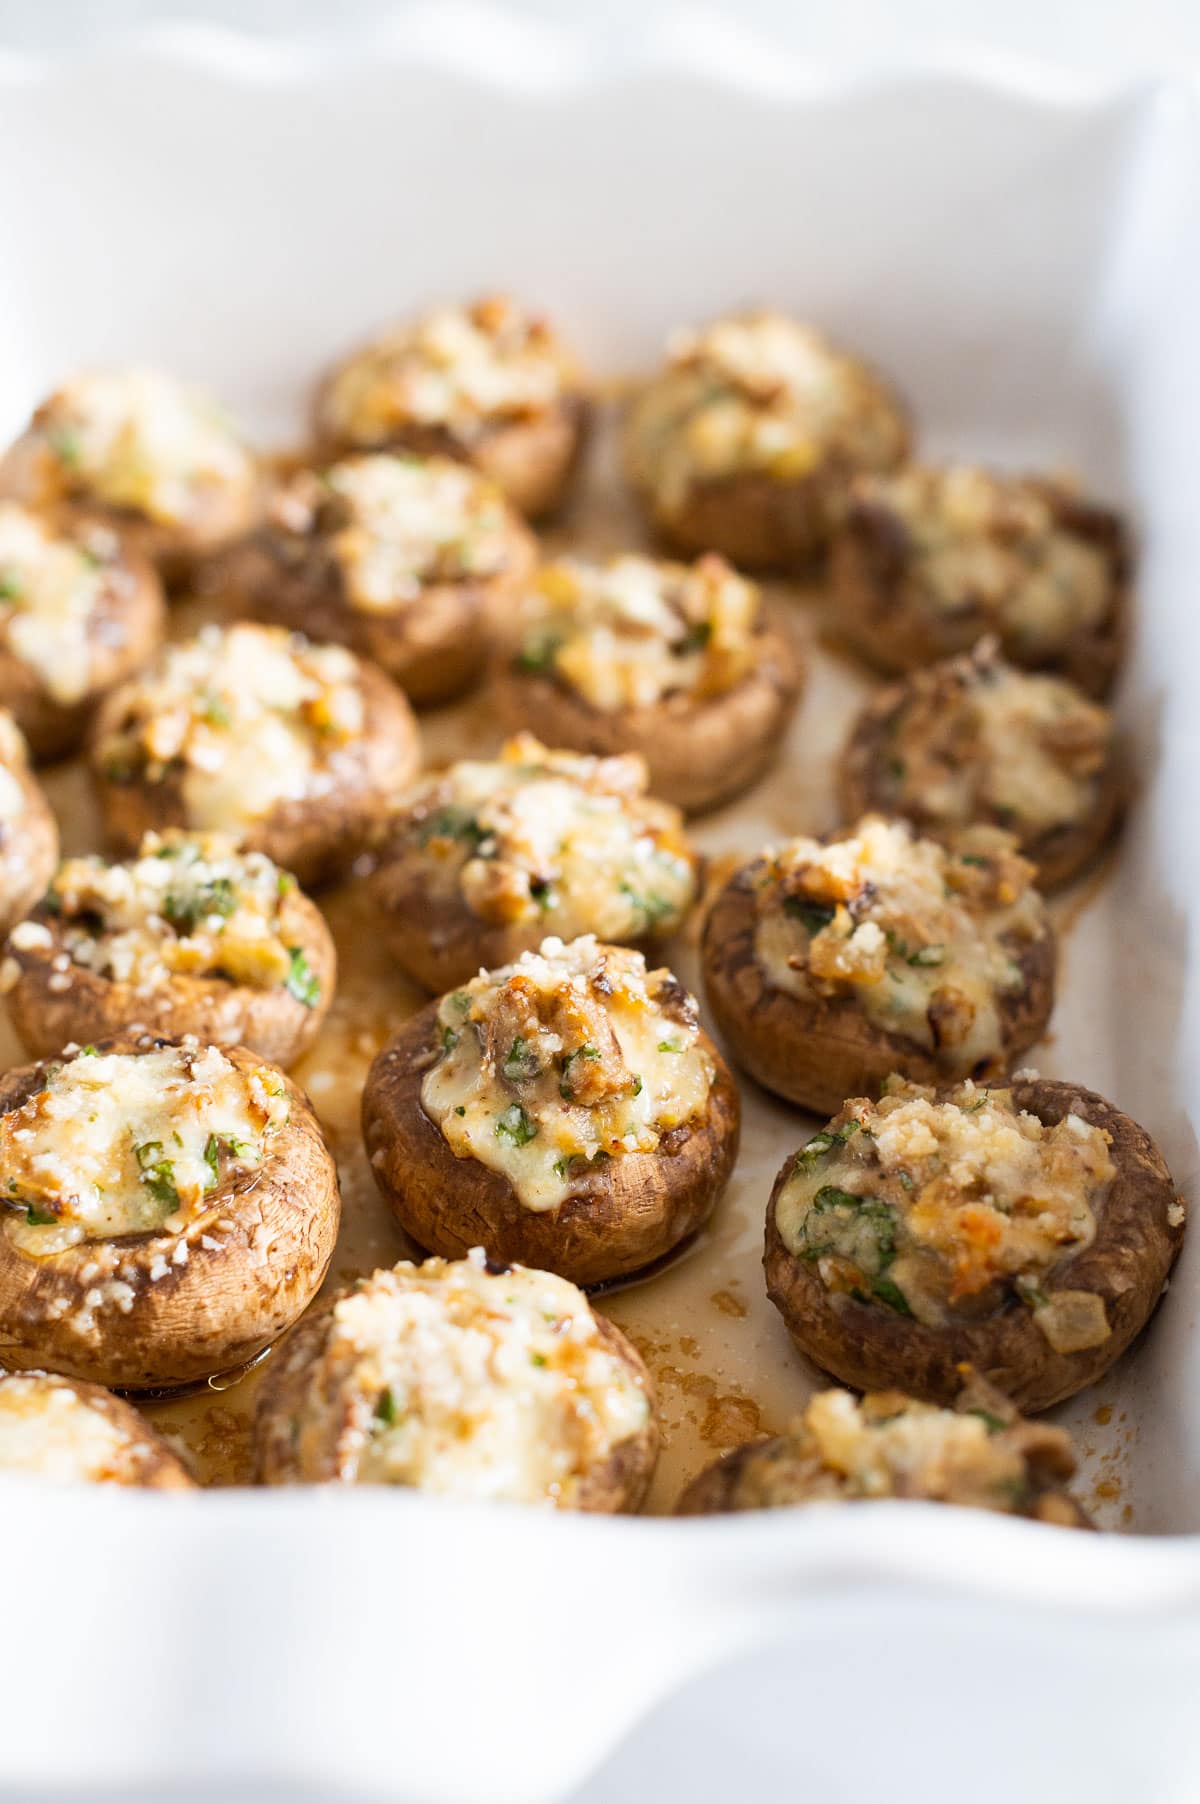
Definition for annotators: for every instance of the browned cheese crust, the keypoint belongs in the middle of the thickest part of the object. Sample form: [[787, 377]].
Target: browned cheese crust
[[535, 459], [212, 1009], [212, 1313], [435, 648], [700, 752], [876, 613], [818, 1051], [317, 838], [125, 631], [1060, 853], [873, 1348], [150, 1462], [613, 1221], [617, 1485]]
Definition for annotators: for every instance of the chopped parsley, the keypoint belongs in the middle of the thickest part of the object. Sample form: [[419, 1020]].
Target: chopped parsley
[[580, 1052], [521, 1062], [39, 1218], [813, 916], [822, 1143], [991, 1422], [652, 908], [516, 1126], [453, 823], [302, 981], [537, 655], [186, 911], [385, 1407], [669, 1046], [212, 1158]]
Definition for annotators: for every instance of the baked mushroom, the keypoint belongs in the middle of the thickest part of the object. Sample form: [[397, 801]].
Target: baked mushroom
[[930, 558], [295, 748], [830, 964], [973, 739], [488, 858], [674, 662], [462, 1379], [166, 1210], [192, 936], [981, 1454], [566, 1110], [745, 442], [1026, 1231], [28, 830], [145, 454], [409, 561], [79, 612], [73, 1433], [489, 384]]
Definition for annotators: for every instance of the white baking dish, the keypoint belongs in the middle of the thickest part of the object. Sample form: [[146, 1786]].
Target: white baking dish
[[1028, 265]]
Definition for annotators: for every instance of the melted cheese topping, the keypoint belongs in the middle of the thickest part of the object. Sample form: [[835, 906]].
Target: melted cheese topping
[[252, 714], [573, 1054], [138, 439], [14, 764], [757, 392], [404, 523], [945, 1210], [568, 841], [189, 905], [466, 1382], [975, 737], [994, 544], [48, 1431], [981, 1455], [627, 633], [457, 368], [927, 940], [51, 588], [131, 1143]]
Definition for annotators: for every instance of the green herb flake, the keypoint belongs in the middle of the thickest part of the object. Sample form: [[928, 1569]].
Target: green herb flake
[[39, 1218], [516, 1126], [992, 1422], [302, 981], [813, 916], [212, 1158], [385, 1407]]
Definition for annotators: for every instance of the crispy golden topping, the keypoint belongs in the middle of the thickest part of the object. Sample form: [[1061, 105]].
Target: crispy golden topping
[[190, 905], [761, 393], [462, 369], [49, 1431], [569, 842], [574, 1053], [631, 632], [470, 1382], [131, 1142], [966, 539], [975, 739], [398, 525], [980, 1454], [927, 939], [250, 715], [947, 1210], [139, 440]]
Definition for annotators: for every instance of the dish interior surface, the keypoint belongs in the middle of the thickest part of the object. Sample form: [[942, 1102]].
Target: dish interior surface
[[994, 287]]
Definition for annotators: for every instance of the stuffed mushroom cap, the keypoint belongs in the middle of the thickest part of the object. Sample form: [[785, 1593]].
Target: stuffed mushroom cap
[[974, 739], [981, 1454], [410, 561], [462, 1379], [486, 859], [80, 610], [1024, 1229], [192, 936], [745, 442], [566, 1110], [295, 748], [167, 1209], [489, 383], [28, 830], [931, 557], [831, 964], [675, 662], [145, 452], [67, 1432]]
